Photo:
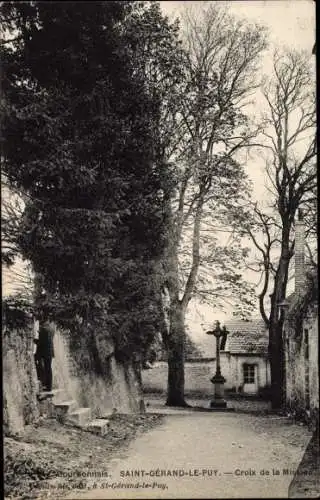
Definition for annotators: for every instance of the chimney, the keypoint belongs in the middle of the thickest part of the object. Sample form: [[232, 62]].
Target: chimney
[[299, 257]]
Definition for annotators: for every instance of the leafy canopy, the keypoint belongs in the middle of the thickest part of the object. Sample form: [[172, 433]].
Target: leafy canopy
[[79, 124]]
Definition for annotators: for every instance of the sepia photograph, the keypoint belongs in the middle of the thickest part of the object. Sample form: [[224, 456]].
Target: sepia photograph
[[159, 249]]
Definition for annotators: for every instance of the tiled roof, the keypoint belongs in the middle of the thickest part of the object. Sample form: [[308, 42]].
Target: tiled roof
[[244, 337], [247, 337]]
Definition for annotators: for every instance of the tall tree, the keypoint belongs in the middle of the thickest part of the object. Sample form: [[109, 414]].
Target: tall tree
[[221, 60], [290, 150], [79, 140]]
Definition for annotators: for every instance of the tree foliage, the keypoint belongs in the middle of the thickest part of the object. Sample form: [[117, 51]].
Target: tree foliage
[[209, 130], [289, 144], [79, 122], [222, 57], [290, 151]]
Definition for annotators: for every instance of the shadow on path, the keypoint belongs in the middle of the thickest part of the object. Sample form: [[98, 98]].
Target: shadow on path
[[155, 403]]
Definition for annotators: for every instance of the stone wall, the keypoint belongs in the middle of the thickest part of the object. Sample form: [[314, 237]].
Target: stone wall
[[117, 389], [312, 325], [19, 379], [302, 375]]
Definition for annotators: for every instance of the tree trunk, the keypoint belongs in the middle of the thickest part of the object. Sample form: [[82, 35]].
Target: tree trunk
[[276, 348], [175, 331], [175, 350], [174, 316], [276, 364]]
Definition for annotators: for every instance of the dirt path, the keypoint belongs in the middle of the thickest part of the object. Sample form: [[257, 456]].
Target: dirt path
[[214, 455], [48, 459]]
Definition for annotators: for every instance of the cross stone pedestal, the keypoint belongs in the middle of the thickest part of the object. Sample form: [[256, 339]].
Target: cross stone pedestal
[[218, 400]]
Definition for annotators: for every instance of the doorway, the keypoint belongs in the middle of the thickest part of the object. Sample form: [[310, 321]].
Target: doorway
[[250, 378]]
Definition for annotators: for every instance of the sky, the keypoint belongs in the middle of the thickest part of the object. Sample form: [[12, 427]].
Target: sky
[[290, 23]]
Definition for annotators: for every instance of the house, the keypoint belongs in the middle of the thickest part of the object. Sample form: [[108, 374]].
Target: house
[[244, 357], [300, 335]]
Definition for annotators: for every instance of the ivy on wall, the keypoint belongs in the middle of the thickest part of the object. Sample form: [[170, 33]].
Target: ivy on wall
[[303, 304]]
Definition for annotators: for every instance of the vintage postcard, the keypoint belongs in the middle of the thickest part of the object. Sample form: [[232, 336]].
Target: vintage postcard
[[159, 249]]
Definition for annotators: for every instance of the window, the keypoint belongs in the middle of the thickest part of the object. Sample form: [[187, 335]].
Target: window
[[248, 373]]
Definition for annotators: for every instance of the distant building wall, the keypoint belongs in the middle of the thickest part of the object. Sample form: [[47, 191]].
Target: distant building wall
[[197, 377], [198, 374]]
